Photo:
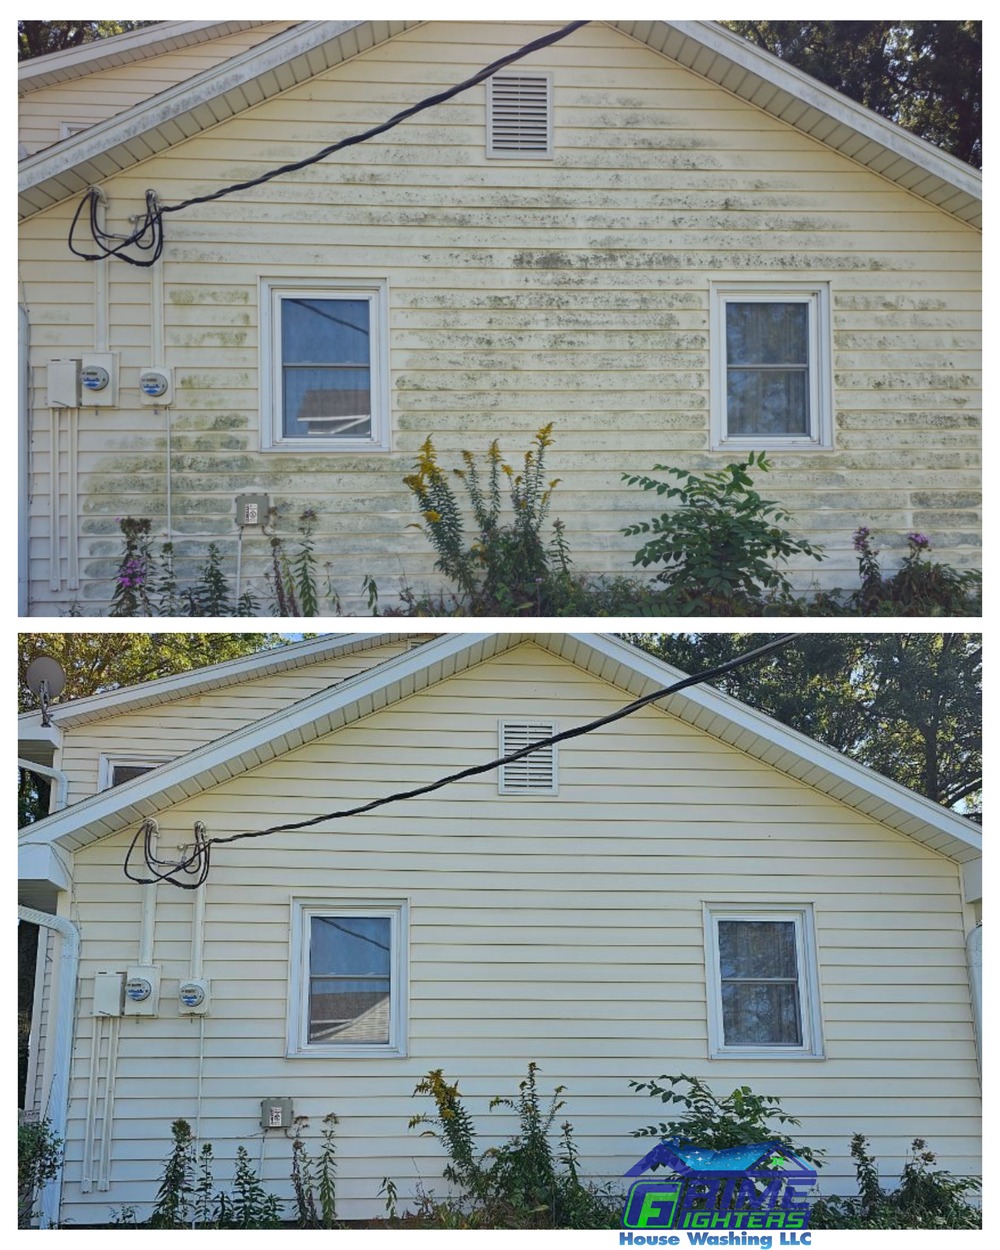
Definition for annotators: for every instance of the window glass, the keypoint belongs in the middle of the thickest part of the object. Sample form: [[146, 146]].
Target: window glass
[[326, 368], [350, 971], [767, 376], [758, 966]]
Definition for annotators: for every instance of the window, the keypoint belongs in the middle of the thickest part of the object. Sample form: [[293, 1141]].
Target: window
[[763, 998], [519, 115], [115, 770], [770, 367], [534, 773], [324, 380], [348, 979]]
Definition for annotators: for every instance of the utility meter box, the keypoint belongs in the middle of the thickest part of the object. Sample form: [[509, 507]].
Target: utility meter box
[[192, 997], [276, 1113], [156, 387], [251, 510], [142, 991], [63, 378], [109, 993], [99, 380]]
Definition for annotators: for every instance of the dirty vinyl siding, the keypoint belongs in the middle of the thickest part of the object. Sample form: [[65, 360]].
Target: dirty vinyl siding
[[173, 728], [106, 93], [563, 930], [574, 291]]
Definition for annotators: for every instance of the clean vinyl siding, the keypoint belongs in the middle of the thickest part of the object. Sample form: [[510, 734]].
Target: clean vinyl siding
[[105, 93], [563, 931], [172, 728], [574, 290]]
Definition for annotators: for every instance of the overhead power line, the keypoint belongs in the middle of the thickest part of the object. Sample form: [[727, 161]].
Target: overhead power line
[[197, 864]]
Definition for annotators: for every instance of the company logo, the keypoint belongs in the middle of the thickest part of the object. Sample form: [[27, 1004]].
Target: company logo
[[763, 1186]]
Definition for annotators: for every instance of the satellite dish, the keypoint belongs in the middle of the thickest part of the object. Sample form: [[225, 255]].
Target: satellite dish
[[46, 681]]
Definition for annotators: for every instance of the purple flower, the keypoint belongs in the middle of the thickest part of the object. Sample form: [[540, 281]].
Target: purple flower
[[861, 536], [919, 542]]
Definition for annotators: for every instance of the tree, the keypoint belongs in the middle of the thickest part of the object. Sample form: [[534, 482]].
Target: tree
[[98, 662], [38, 38], [926, 76], [907, 705]]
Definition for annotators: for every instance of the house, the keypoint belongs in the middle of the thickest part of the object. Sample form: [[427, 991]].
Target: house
[[659, 238], [582, 908]]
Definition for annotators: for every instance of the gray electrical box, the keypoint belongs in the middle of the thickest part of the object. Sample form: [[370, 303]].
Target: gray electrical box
[[251, 509], [63, 379], [276, 1113]]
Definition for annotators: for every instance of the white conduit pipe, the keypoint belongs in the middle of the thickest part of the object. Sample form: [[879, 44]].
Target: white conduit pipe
[[69, 963], [974, 951], [96, 1035], [104, 1155], [60, 791]]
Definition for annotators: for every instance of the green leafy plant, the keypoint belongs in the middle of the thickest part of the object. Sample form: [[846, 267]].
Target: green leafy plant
[[716, 1122], [315, 1184], [39, 1158], [130, 596], [210, 595], [925, 1198], [521, 1183], [722, 544], [174, 1197], [919, 587], [252, 1206]]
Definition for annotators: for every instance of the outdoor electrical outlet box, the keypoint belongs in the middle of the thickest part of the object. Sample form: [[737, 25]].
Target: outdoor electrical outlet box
[[99, 380], [192, 997], [156, 387], [276, 1113], [251, 509], [142, 990], [109, 993], [63, 377]]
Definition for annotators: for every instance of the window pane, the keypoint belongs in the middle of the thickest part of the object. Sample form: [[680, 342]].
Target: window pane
[[769, 333], [757, 948], [326, 374], [349, 979], [767, 374], [756, 1014]]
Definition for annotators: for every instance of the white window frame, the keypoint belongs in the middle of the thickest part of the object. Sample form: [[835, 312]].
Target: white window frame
[[807, 971], [549, 729], [816, 296], [108, 763], [514, 154], [299, 1046], [273, 291]]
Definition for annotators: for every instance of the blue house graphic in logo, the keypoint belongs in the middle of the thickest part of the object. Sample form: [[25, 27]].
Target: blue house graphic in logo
[[763, 1185]]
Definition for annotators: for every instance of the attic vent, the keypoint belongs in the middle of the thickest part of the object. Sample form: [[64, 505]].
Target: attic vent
[[535, 773], [519, 115]]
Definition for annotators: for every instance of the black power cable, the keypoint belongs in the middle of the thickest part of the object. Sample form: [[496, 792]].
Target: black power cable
[[198, 863], [148, 233]]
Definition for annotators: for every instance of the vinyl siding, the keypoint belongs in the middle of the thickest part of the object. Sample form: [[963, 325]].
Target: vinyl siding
[[574, 291], [171, 729], [563, 930], [106, 93]]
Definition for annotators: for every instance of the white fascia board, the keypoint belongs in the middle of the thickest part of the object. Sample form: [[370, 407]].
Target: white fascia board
[[175, 101], [833, 104], [247, 747], [45, 864], [766, 732], [227, 672], [133, 45]]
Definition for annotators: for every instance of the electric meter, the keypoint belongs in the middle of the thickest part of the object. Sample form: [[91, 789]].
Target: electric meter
[[94, 378], [156, 387], [192, 997], [142, 991], [99, 379]]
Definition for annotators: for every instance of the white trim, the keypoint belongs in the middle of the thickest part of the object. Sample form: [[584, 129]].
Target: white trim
[[540, 77], [810, 1014], [816, 297], [122, 759], [302, 910], [273, 292]]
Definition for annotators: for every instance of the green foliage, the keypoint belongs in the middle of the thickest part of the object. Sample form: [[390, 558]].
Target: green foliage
[[925, 1198], [721, 544], [315, 1184], [39, 1158], [130, 596], [210, 595], [40, 38], [918, 588], [521, 1183], [924, 75], [172, 1207], [716, 1122], [251, 1205]]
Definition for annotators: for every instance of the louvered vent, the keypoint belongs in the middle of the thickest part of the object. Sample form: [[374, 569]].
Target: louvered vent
[[534, 773], [519, 115]]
